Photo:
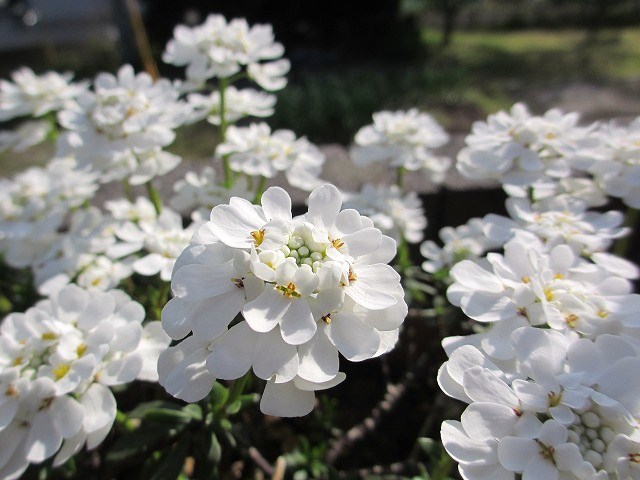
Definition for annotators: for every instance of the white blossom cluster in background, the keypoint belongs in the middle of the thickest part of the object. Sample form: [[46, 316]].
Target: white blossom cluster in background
[[58, 361], [551, 380], [307, 287]]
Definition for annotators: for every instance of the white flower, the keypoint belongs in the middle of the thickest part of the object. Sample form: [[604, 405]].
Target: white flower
[[58, 360], [308, 287], [558, 221], [201, 192], [400, 217], [466, 242], [220, 49], [30, 94], [616, 168], [404, 139], [525, 151], [163, 238], [238, 104], [256, 151], [26, 135], [120, 128], [577, 387]]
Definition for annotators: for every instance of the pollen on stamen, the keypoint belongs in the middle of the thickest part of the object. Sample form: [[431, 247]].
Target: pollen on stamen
[[11, 391], [337, 243], [327, 318], [258, 237], [61, 370], [571, 320], [238, 282]]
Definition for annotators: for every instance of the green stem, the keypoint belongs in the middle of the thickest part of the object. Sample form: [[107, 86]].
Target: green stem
[[228, 174], [400, 177], [260, 190], [154, 197], [124, 420], [126, 188], [623, 245], [237, 387]]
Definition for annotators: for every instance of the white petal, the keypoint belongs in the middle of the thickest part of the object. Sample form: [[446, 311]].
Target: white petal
[[99, 407], [276, 203], [371, 286], [297, 325], [272, 355], [318, 359], [264, 313], [514, 453], [285, 400], [354, 339], [464, 449], [43, 439], [232, 354], [212, 316], [149, 264], [67, 415], [196, 282], [176, 317], [489, 420]]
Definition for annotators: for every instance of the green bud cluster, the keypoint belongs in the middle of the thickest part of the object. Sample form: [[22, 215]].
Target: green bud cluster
[[303, 254]]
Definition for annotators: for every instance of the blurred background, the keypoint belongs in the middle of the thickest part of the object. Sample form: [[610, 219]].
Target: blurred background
[[457, 59]]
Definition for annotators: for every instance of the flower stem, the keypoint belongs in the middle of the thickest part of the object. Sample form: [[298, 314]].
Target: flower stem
[[237, 387], [154, 197], [228, 174], [126, 188], [400, 177], [260, 189], [623, 245]]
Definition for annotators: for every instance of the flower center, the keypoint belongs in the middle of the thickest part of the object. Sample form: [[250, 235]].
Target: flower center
[[288, 290], [305, 251]]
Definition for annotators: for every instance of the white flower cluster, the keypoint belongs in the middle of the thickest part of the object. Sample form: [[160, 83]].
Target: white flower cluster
[[120, 127], [238, 104], [466, 242], [399, 216], [33, 95], [201, 192], [307, 288], [548, 385], [34, 205], [403, 139], [551, 155], [567, 408], [257, 151], [58, 361], [218, 48]]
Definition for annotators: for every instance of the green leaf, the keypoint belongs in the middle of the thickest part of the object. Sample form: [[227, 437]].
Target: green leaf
[[143, 439], [172, 462], [140, 410], [170, 416], [219, 395], [215, 450], [234, 407]]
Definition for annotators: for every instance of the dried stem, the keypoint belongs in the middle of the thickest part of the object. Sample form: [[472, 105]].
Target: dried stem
[[393, 394]]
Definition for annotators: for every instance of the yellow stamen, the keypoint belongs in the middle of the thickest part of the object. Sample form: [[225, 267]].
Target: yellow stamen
[[337, 243], [258, 237], [81, 349], [49, 336], [11, 391], [61, 370], [327, 318], [289, 290], [571, 320], [525, 279], [558, 276], [549, 295]]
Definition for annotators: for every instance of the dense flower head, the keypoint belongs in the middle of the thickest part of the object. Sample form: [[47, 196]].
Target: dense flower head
[[532, 285], [616, 166], [566, 409], [402, 139], [307, 287], [465, 242], [161, 239], [218, 48], [257, 151], [35, 203], [58, 361], [558, 221], [523, 150], [36, 95], [238, 104], [399, 216], [200, 192], [121, 126]]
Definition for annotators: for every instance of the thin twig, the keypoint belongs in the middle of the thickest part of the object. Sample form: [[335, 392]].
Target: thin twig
[[407, 467], [260, 461], [393, 394]]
